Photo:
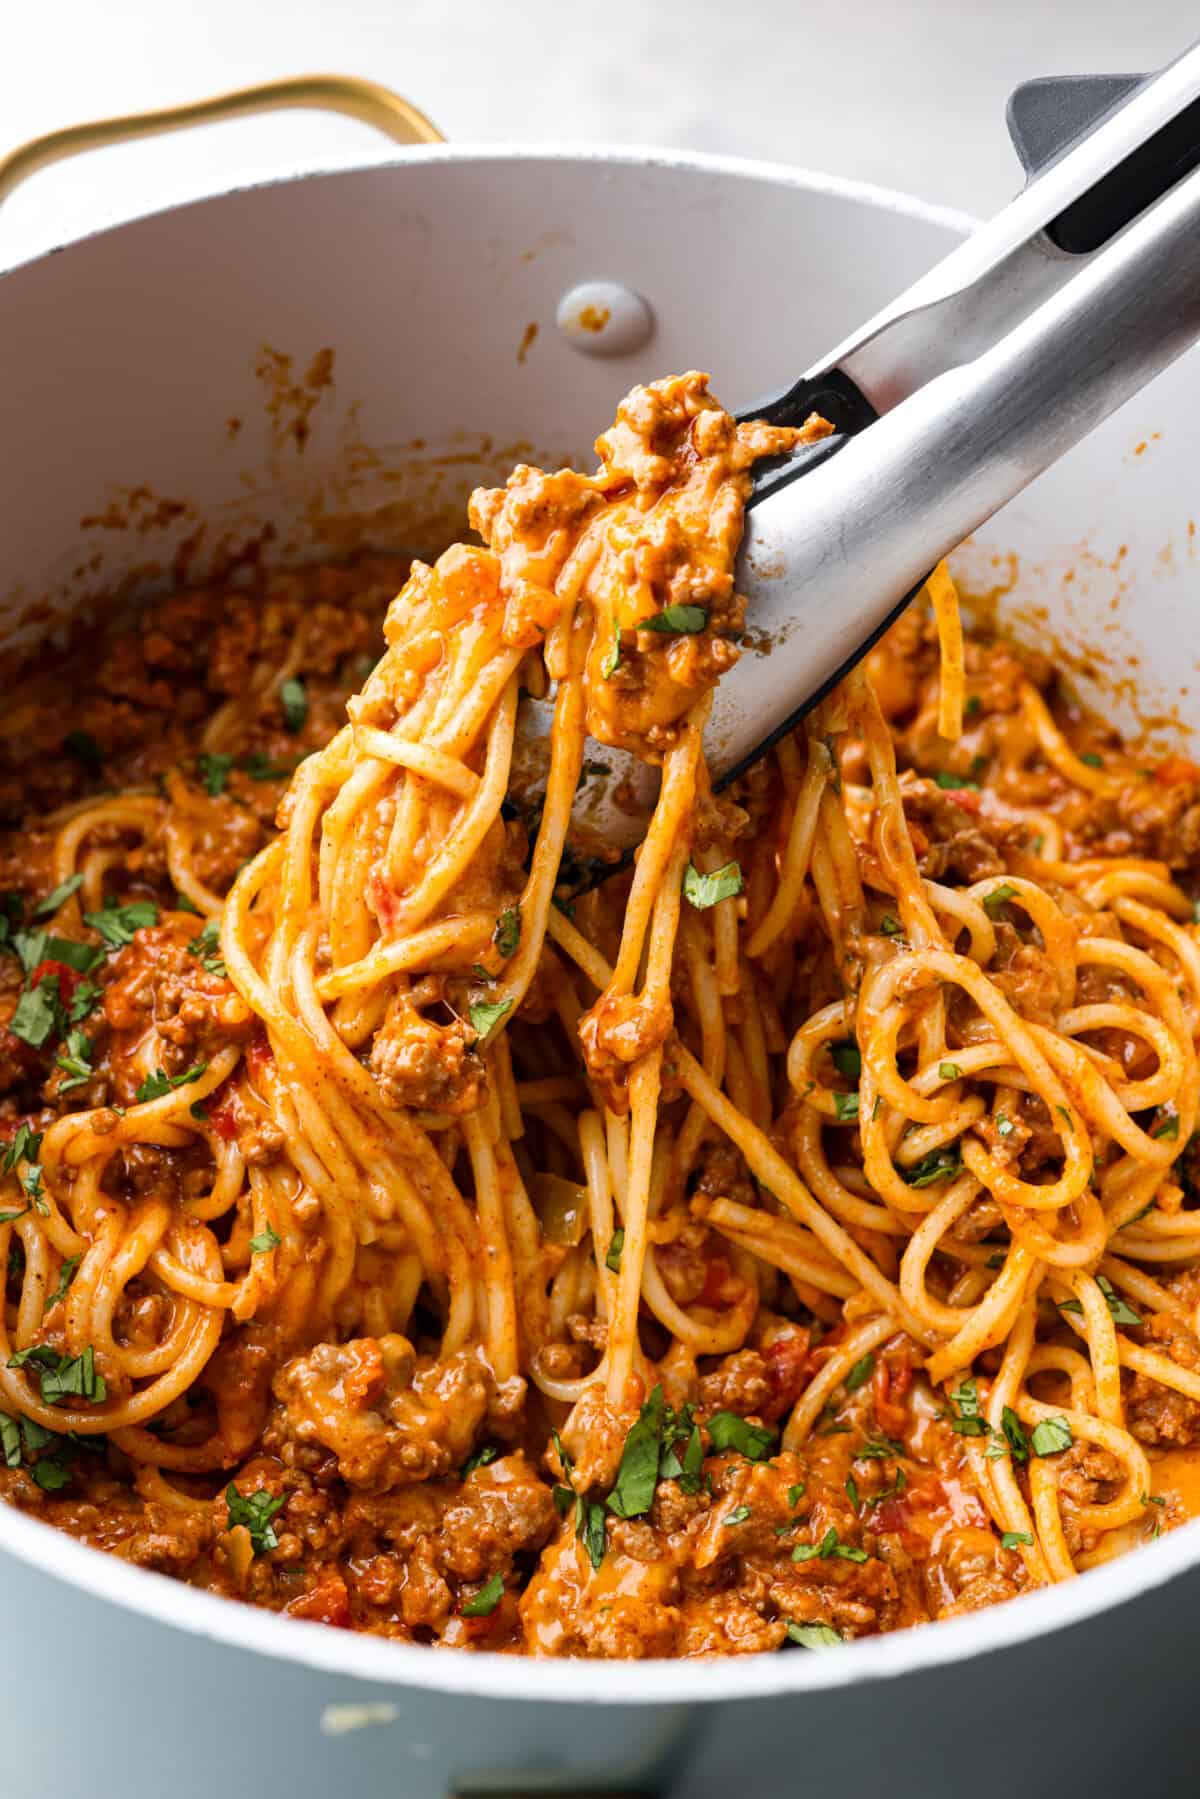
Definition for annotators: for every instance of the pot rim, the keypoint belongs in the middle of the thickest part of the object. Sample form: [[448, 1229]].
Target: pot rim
[[383, 1662], [567, 150], [386, 1663]]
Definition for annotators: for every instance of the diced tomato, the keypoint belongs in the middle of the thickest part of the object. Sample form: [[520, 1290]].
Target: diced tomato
[[965, 799], [788, 1371], [326, 1603], [1176, 771], [222, 1113], [383, 900], [258, 1052], [68, 980], [888, 1388], [893, 1515]]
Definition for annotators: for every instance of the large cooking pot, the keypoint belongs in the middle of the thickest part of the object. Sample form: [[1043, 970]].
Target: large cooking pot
[[335, 359]]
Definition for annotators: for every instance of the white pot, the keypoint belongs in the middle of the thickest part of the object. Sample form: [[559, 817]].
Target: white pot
[[123, 360]]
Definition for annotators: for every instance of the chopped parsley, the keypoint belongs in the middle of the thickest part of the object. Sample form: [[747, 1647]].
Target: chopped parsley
[[507, 935], [158, 1084], [812, 1636], [39, 1013], [213, 768], [1168, 1130], [1051, 1436], [1012, 1439], [949, 1071], [76, 1063], [486, 1015], [738, 1515], [1090, 759], [861, 1373], [845, 1107], [264, 1242], [890, 925], [829, 1547], [616, 1244], [967, 1420], [1119, 1311], [703, 891], [952, 783], [795, 1495], [83, 745], [939, 1165], [59, 897], [63, 1376], [846, 1058], [726, 1430], [204, 948], [1013, 1539], [486, 1600], [637, 1476], [676, 621], [26, 1146], [611, 660], [293, 697], [878, 1448], [255, 1511], [66, 1275], [483, 1458], [998, 898], [117, 924]]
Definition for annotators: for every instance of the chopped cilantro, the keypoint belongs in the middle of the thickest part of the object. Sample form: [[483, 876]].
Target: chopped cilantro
[[795, 1495], [861, 1373], [483, 1458], [39, 1013], [949, 1071], [264, 1242], [1013, 1539], [738, 1515], [890, 925], [846, 1058], [1090, 759], [845, 1107], [952, 783]]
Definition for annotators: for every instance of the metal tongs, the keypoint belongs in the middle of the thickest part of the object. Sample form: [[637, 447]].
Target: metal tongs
[[957, 395]]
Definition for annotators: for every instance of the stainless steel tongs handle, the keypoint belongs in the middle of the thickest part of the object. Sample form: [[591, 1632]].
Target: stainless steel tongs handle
[[990, 368], [1006, 269]]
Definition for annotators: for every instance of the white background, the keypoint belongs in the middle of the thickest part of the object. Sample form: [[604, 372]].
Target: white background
[[908, 93]]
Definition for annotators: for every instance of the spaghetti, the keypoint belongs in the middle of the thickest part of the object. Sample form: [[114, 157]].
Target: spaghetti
[[790, 1239]]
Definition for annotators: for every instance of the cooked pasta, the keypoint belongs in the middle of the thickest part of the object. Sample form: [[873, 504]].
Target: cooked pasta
[[788, 1237]]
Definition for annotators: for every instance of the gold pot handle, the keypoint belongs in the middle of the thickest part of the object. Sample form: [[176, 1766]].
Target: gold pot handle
[[365, 100]]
